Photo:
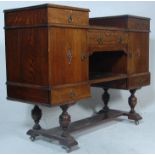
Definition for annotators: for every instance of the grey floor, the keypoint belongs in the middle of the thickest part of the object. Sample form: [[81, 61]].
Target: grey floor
[[117, 136]]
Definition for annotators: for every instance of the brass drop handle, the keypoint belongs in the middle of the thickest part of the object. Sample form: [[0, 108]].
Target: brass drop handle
[[120, 40], [70, 19], [100, 40], [84, 56], [72, 94], [69, 56]]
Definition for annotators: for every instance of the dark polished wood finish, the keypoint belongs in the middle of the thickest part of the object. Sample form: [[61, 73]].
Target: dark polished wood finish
[[64, 120], [132, 102], [45, 70], [36, 115], [68, 141], [54, 54], [105, 98]]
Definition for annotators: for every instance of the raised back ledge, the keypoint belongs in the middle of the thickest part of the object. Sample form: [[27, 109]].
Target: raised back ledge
[[112, 28], [47, 5], [122, 16]]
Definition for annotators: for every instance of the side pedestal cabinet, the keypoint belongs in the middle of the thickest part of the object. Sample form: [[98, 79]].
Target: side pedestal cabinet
[[55, 54]]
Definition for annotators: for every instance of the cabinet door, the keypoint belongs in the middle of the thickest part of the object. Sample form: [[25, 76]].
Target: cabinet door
[[138, 48], [138, 60], [67, 47]]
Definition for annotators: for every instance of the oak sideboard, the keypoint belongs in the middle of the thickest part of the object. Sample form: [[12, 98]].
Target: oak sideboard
[[55, 54]]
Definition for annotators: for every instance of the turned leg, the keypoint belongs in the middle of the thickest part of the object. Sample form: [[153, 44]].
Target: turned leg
[[36, 116], [105, 98], [132, 103], [64, 120]]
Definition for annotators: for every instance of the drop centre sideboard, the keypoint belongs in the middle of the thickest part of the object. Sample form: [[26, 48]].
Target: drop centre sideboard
[[55, 54]]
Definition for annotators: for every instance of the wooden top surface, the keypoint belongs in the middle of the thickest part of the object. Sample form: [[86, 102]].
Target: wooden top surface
[[46, 6], [122, 16]]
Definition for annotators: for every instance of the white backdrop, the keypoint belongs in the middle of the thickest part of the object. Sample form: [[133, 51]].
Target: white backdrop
[[16, 112]]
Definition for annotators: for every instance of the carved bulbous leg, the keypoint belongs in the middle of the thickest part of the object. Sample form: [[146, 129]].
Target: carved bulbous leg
[[105, 98], [132, 102], [36, 115], [64, 120]]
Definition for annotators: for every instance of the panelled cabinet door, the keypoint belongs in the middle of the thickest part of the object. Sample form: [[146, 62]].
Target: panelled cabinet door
[[138, 53], [69, 63], [138, 60]]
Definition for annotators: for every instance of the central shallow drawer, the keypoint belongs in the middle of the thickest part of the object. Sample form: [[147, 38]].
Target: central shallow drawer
[[69, 94], [106, 40]]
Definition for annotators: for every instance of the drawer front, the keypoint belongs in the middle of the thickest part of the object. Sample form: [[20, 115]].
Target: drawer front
[[139, 81], [64, 16], [99, 40], [64, 95]]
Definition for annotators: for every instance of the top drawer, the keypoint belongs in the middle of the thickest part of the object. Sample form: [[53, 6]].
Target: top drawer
[[66, 16], [46, 14]]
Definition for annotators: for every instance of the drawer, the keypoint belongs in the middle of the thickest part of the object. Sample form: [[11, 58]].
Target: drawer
[[99, 40], [66, 16], [64, 95], [138, 80], [46, 14]]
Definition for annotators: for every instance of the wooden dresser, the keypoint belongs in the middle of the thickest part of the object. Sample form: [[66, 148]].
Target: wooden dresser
[[54, 54]]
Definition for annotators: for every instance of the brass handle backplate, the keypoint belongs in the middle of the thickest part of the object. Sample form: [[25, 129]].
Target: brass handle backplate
[[70, 19], [72, 94], [69, 56], [84, 56], [120, 40], [100, 40]]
